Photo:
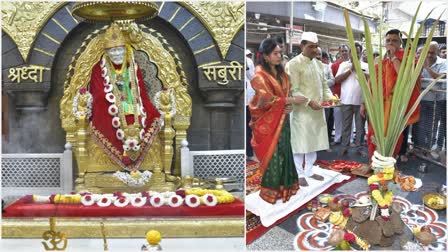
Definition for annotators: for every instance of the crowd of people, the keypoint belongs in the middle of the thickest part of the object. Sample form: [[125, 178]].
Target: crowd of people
[[287, 124]]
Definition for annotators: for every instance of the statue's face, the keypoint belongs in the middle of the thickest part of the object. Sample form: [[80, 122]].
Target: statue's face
[[116, 54]]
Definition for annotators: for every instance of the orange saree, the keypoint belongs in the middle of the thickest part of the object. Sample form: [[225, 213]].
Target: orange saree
[[271, 136]]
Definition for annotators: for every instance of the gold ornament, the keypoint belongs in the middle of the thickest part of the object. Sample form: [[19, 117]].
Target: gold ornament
[[23, 21], [113, 37], [107, 11], [55, 238], [222, 19], [103, 234]]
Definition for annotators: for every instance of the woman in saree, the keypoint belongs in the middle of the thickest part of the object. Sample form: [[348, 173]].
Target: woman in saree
[[270, 108]]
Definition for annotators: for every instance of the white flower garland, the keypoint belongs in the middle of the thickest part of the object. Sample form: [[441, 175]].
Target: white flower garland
[[157, 200], [113, 109], [121, 202], [173, 103], [175, 201], [131, 181], [149, 198], [192, 200], [209, 199], [105, 201], [88, 200], [88, 112], [138, 201]]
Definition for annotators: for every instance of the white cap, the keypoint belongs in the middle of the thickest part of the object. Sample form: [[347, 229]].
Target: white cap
[[310, 36], [248, 52]]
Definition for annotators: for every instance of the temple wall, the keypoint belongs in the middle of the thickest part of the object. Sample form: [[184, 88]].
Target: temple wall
[[33, 123]]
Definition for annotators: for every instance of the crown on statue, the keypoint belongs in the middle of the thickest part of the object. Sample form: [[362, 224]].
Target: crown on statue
[[114, 37]]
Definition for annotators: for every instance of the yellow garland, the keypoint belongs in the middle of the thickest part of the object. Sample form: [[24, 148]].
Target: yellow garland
[[375, 178], [361, 243], [222, 196], [388, 197], [387, 200], [388, 170]]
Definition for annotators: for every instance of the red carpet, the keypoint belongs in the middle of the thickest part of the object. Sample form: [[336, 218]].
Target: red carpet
[[21, 209], [257, 230]]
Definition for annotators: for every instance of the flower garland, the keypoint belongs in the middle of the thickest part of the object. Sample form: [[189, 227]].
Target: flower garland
[[138, 201], [191, 198], [134, 178], [88, 112], [352, 237], [173, 103], [121, 202], [175, 201], [222, 196], [116, 109]]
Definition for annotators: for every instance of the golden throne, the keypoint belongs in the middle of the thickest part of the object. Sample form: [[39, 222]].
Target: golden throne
[[95, 168]]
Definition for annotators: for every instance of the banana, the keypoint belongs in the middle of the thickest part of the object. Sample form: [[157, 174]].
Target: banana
[[340, 220], [333, 217], [336, 217]]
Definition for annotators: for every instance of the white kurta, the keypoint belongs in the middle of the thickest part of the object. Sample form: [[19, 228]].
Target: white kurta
[[308, 126]]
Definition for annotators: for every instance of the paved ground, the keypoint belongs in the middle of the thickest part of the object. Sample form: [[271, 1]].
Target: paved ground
[[281, 237]]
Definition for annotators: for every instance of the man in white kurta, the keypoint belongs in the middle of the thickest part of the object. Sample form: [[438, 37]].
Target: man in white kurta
[[308, 125]]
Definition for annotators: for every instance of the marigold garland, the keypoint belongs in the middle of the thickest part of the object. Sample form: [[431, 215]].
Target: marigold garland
[[382, 201], [377, 178], [221, 195]]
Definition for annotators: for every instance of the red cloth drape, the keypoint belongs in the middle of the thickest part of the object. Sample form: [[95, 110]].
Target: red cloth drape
[[102, 120], [337, 86], [22, 209]]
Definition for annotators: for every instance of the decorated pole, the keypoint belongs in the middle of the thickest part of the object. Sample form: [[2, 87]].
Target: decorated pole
[[388, 122]]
